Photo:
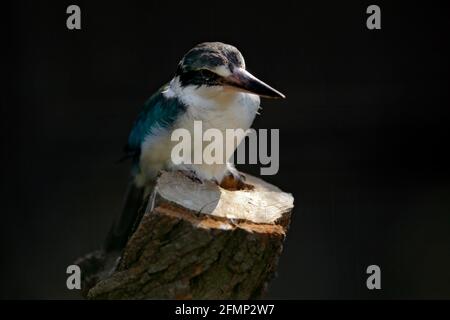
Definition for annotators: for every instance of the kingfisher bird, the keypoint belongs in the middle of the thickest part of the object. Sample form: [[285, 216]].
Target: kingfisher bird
[[212, 85]]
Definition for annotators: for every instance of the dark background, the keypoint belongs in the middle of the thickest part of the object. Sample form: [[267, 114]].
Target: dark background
[[364, 134]]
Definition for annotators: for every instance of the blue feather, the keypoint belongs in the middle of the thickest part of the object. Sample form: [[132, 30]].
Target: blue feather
[[158, 112]]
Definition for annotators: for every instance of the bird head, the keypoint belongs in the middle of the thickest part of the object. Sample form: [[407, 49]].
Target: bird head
[[219, 65]]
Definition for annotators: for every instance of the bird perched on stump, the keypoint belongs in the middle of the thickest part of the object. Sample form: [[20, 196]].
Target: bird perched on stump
[[211, 85]]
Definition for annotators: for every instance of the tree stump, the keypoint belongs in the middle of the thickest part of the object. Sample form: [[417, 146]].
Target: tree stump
[[196, 241]]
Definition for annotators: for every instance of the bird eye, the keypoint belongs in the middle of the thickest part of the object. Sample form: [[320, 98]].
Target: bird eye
[[205, 73]]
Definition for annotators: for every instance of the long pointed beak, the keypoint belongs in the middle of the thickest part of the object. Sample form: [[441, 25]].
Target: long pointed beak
[[245, 81]]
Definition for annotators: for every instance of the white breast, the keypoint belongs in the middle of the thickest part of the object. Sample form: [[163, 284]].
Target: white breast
[[217, 108]]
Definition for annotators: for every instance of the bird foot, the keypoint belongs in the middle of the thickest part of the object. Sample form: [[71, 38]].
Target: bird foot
[[234, 182], [191, 175]]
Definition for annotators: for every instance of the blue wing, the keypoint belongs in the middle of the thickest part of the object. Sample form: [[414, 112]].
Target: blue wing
[[158, 111]]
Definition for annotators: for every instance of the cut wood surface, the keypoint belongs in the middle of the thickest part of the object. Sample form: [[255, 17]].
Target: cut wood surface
[[196, 241]]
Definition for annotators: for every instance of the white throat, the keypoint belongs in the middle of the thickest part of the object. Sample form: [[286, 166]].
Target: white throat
[[208, 97]]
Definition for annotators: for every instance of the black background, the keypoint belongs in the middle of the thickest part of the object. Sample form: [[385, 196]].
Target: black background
[[364, 134]]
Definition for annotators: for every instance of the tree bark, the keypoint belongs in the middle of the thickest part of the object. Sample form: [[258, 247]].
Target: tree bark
[[196, 241]]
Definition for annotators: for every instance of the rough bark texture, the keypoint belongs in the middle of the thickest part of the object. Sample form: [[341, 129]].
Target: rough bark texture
[[196, 241]]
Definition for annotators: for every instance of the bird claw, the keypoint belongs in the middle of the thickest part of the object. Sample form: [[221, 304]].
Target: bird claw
[[235, 182], [191, 175]]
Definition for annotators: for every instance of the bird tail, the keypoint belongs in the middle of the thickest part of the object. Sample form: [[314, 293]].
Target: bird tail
[[124, 227]]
